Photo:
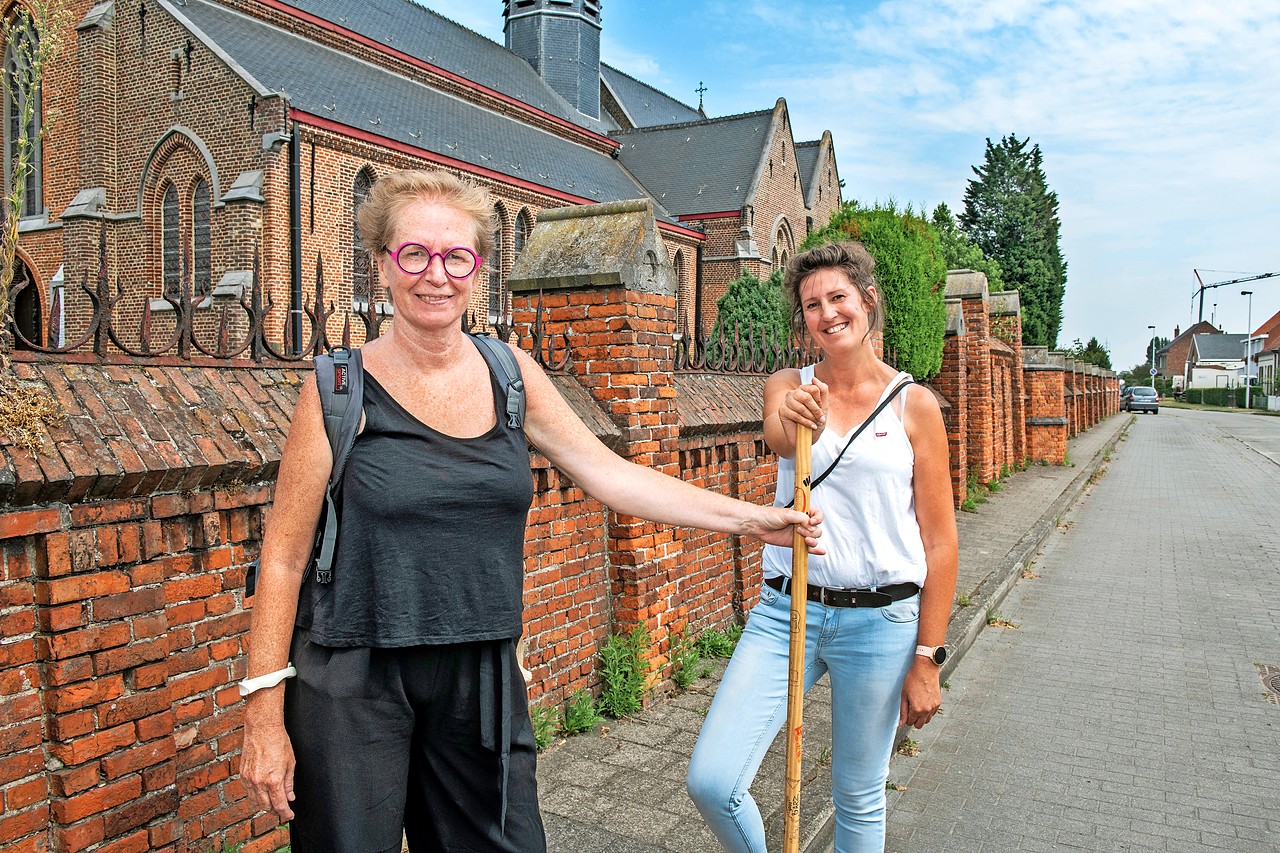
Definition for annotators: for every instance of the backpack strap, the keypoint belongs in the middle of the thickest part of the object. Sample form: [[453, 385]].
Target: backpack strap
[[340, 380], [504, 366]]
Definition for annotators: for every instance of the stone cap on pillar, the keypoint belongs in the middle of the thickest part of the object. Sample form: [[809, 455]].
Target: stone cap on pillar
[[1003, 303], [1033, 356], [966, 283], [615, 244]]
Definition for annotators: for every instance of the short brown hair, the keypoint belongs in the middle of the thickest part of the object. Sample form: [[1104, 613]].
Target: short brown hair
[[392, 193], [848, 257]]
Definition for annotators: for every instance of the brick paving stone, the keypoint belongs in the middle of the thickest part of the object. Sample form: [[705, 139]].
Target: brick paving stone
[[1128, 700]]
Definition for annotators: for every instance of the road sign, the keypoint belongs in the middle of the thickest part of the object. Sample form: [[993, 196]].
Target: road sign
[[1153, 371]]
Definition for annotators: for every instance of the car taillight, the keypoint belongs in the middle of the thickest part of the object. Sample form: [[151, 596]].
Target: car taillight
[[1156, 399]]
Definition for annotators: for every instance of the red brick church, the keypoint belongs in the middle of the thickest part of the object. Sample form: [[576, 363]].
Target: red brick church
[[200, 136]]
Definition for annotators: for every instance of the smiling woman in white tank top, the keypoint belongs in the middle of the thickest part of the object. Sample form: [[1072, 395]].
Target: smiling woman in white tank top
[[878, 599]]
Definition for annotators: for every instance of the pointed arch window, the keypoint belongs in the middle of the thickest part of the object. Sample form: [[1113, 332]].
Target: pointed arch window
[[202, 251], [171, 242], [22, 100], [361, 263], [524, 227], [497, 281]]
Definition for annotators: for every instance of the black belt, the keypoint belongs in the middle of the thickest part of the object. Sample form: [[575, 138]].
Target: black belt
[[879, 597]]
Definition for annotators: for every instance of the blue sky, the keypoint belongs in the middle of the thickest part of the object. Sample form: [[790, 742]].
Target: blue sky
[[1158, 120]]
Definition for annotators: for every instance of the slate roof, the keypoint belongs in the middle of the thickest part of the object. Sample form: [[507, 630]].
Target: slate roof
[[698, 167], [806, 162], [1220, 347], [645, 105], [431, 37], [339, 87]]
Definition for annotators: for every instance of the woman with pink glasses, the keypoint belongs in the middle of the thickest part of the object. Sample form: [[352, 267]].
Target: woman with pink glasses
[[407, 712]]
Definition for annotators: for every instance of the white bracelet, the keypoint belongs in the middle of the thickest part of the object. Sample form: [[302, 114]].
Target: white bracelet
[[271, 679]]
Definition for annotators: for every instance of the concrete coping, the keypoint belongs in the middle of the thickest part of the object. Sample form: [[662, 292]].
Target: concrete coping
[[1004, 303], [101, 15], [615, 244], [247, 187], [966, 284], [88, 202], [1034, 355]]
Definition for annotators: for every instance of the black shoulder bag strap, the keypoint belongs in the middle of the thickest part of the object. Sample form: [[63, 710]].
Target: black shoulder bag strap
[[504, 366], [857, 432], [340, 379]]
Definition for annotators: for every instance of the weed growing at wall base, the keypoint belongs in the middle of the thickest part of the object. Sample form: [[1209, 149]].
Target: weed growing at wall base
[[580, 715], [625, 671]]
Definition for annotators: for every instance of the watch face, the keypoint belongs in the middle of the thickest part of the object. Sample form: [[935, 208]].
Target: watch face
[[940, 655]]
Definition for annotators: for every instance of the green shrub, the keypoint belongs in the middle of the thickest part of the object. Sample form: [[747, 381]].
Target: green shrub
[[580, 714], [717, 644], [546, 725], [625, 671], [756, 312], [686, 659]]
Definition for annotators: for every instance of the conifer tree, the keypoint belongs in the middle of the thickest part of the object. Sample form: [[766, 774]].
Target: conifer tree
[[1012, 216], [959, 251]]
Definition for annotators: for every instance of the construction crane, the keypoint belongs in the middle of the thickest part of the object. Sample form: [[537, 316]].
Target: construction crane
[[1204, 287]]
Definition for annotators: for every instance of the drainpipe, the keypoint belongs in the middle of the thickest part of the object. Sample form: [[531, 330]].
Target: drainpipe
[[295, 237]]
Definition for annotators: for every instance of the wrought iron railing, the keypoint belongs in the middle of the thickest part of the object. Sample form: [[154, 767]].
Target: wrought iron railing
[[740, 352]]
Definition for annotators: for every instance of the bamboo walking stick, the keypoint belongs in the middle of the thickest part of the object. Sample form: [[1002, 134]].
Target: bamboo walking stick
[[795, 668]]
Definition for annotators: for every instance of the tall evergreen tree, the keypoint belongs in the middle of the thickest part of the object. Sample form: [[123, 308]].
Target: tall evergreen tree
[[959, 251], [1012, 216]]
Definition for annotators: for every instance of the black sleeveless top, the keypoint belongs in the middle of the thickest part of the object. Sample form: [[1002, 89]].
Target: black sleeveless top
[[430, 535]]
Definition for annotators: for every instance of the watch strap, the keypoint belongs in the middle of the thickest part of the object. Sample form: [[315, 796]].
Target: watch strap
[[271, 679], [930, 652]]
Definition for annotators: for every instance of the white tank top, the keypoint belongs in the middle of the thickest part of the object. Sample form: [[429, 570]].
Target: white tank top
[[870, 530]]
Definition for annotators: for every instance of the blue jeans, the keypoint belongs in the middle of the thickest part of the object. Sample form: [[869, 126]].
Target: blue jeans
[[867, 651]]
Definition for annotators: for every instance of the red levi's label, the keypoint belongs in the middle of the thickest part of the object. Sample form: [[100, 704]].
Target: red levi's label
[[881, 434]]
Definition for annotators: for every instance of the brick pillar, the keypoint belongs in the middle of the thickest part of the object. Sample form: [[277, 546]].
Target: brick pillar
[[1047, 421], [971, 288], [1006, 324], [952, 382], [603, 271]]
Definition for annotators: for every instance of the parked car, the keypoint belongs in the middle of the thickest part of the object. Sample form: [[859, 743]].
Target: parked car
[[1124, 397], [1141, 399]]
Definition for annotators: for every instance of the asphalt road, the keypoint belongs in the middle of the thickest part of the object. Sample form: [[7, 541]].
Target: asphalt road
[[1125, 707]]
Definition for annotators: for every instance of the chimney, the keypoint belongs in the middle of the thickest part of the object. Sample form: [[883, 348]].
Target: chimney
[[561, 40], [1176, 331]]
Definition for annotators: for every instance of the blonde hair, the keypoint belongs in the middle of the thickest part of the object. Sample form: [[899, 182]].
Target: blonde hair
[[848, 257], [379, 215]]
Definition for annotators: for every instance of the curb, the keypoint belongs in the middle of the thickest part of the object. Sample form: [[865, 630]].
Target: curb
[[967, 624]]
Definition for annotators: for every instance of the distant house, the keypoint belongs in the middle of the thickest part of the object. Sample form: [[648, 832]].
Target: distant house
[[1172, 358], [1265, 344], [1215, 361]]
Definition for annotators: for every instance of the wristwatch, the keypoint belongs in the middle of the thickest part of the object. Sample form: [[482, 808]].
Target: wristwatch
[[937, 654], [271, 679]]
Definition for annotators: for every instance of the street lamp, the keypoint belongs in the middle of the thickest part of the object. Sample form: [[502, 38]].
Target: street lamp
[[1153, 355], [1248, 334]]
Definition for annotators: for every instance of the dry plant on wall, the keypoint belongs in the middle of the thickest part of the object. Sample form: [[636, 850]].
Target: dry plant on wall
[[31, 36]]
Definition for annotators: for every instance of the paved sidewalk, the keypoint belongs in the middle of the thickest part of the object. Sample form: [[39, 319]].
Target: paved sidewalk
[[1127, 712], [620, 789]]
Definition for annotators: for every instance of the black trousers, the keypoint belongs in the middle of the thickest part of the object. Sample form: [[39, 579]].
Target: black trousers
[[392, 740]]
